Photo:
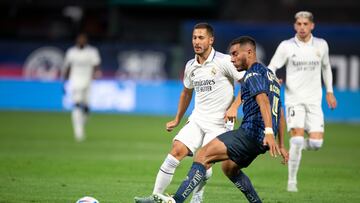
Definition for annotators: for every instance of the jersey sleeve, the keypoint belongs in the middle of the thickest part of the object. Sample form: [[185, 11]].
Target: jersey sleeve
[[187, 80], [230, 70], [280, 57], [326, 69], [256, 83], [66, 64], [96, 59]]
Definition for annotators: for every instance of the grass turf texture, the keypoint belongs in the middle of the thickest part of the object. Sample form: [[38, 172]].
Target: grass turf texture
[[41, 162]]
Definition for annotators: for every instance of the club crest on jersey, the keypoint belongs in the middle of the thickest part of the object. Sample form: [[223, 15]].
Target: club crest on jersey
[[318, 53], [213, 71]]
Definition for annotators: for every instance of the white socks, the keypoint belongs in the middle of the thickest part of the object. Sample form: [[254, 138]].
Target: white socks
[[296, 146], [199, 190], [78, 120], [165, 174]]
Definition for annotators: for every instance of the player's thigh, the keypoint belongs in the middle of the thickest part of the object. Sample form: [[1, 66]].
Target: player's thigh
[[191, 136], [213, 152], [212, 131], [295, 116], [314, 122], [241, 148], [80, 95]]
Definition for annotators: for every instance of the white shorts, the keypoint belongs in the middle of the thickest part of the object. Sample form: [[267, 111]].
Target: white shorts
[[80, 95], [197, 134], [310, 117]]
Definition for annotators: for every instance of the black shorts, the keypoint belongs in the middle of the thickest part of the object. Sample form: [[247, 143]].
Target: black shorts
[[241, 148]]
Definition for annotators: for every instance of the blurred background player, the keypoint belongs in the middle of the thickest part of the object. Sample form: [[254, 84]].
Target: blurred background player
[[305, 57], [238, 148], [82, 64], [212, 76]]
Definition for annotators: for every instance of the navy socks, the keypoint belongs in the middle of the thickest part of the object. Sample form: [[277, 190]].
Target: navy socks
[[243, 183], [195, 176]]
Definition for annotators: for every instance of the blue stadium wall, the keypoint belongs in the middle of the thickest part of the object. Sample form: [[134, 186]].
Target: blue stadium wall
[[159, 95], [149, 98]]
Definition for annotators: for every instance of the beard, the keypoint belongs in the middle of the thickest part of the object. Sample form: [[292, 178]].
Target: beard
[[243, 64]]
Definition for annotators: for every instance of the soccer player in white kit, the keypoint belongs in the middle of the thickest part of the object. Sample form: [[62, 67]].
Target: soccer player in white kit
[[305, 57], [82, 63], [211, 75]]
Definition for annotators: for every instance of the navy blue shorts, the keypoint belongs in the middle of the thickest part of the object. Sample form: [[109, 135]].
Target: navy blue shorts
[[241, 148]]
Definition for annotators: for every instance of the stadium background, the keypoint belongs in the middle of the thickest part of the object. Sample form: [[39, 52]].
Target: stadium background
[[144, 46]]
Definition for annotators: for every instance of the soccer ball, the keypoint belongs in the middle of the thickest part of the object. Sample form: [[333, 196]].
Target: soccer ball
[[87, 200]]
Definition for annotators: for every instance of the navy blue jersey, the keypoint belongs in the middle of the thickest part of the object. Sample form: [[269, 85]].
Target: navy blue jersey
[[259, 79]]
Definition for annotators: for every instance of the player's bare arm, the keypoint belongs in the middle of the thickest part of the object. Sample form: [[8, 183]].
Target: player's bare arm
[[97, 72], [184, 101], [283, 151], [65, 73], [331, 100], [269, 139], [231, 113]]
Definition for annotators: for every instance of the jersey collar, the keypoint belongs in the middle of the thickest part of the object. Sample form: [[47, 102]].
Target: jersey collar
[[301, 43], [209, 58]]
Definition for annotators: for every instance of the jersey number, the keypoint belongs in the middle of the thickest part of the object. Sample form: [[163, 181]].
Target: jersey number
[[275, 104]]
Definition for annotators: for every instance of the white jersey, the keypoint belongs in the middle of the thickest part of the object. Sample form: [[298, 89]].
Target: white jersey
[[304, 63], [82, 63], [213, 82]]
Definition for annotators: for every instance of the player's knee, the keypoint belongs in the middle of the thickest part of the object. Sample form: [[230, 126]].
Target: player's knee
[[86, 109], [315, 144], [297, 141], [77, 105], [228, 172], [229, 168], [179, 150]]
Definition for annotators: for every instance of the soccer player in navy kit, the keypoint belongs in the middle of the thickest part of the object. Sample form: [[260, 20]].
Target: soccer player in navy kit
[[263, 116]]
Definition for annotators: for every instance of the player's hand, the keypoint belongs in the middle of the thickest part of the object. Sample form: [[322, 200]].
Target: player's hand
[[269, 140], [97, 74], [285, 155], [331, 100], [171, 125], [231, 114]]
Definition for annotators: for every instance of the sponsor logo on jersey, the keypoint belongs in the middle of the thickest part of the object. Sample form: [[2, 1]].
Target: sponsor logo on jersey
[[250, 75], [204, 85]]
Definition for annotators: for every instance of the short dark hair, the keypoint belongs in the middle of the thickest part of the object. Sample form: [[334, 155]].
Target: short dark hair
[[244, 40], [206, 26]]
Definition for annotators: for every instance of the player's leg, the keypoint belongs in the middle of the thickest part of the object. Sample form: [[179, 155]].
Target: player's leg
[[314, 124], [211, 131], [210, 153], [166, 171], [77, 114], [168, 167], [198, 193], [85, 104], [241, 150], [185, 142], [240, 180], [295, 124]]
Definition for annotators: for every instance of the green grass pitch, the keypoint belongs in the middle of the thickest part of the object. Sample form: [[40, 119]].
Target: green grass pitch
[[41, 162]]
